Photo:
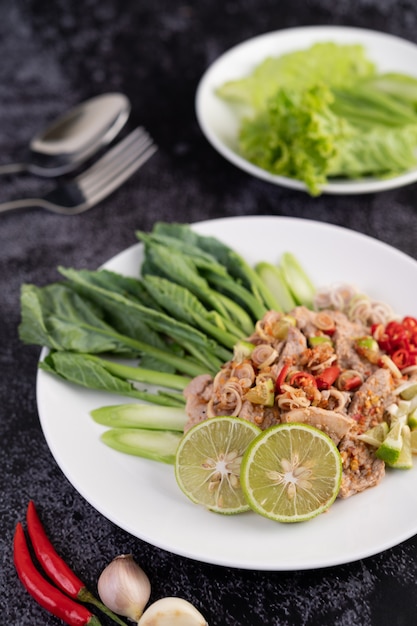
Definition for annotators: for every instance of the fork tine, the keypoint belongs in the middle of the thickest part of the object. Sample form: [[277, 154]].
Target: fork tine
[[124, 170], [111, 154], [132, 148]]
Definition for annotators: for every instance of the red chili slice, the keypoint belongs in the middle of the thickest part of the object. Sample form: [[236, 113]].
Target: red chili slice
[[303, 379], [395, 331], [281, 378], [328, 376], [352, 383], [401, 358], [410, 323]]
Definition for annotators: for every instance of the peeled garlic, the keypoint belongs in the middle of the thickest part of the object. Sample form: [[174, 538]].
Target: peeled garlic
[[124, 587], [172, 612]]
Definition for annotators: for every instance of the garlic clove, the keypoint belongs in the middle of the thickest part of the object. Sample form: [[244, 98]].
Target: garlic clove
[[124, 587], [172, 612]]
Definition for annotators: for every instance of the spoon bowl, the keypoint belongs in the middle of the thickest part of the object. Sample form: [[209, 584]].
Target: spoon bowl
[[74, 137]]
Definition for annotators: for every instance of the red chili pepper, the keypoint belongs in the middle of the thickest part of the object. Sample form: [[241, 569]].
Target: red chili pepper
[[395, 331], [303, 379], [56, 568], [413, 339], [384, 343], [352, 383], [52, 563], [48, 596], [376, 330], [401, 358], [281, 378], [410, 323], [328, 376]]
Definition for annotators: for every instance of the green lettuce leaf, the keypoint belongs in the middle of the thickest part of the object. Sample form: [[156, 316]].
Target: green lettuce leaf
[[297, 136], [336, 65], [315, 133]]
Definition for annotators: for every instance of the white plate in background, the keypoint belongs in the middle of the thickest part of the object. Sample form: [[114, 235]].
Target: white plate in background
[[220, 123]]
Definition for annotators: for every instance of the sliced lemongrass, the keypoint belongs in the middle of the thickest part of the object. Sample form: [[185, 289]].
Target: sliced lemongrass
[[146, 416]]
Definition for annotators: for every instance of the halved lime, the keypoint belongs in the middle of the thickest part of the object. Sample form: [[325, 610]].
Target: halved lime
[[208, 459], [291, 472]]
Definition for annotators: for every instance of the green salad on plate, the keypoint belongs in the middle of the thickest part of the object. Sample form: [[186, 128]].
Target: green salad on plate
[[326, 112]]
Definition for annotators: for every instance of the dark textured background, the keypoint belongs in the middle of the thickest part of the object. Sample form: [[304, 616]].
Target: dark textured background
[[53, 55]]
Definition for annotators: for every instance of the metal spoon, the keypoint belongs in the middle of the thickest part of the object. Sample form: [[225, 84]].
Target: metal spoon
[[74, 137]]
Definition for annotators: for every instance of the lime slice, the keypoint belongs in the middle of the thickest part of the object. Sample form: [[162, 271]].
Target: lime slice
[[408, 390], [390, 449], [376, 435], [405, 458], [208, 459], [412, 419], [291, 472], [413, 441]]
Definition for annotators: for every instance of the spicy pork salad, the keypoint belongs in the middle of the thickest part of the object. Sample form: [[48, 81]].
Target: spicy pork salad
[[336, 368]]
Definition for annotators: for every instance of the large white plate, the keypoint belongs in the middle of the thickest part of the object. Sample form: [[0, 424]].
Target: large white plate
[[220, 123], [142, 497]]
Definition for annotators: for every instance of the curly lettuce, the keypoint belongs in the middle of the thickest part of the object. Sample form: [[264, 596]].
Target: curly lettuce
[[325, 113]]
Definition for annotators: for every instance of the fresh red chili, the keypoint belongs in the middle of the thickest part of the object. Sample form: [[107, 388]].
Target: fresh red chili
[[56, 568], [48, 596], [410, 323], [53, 564], [328, 376], [398, 340], [281, 378], [352, 383], [395, 330], [401, 358], [302, 379]]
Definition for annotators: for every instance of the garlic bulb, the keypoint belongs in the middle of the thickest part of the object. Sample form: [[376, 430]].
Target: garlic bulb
[[124, 587], [172, 612]]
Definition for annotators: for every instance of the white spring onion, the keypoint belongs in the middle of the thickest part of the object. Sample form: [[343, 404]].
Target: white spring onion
[[172, 612], [124, 587]]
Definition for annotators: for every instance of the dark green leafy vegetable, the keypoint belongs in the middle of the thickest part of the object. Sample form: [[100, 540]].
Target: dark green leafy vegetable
[[234, 263], [96, 373], [58, 318], [188, 320]]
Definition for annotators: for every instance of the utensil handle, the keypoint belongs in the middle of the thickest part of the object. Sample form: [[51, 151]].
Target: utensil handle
[[23, 204], [13, 168]]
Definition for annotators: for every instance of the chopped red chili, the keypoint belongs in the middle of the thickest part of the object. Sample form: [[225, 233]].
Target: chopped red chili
[[398, 340], [328, 376], [281, 378], [303, 379], [401, 358], [410, 323], [352, 383]]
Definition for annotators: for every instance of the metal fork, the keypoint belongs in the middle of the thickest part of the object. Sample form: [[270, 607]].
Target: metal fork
[[98, 181]]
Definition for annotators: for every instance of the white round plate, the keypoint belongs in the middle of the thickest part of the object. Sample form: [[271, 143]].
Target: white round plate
[[220, 123], [142, 496]]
